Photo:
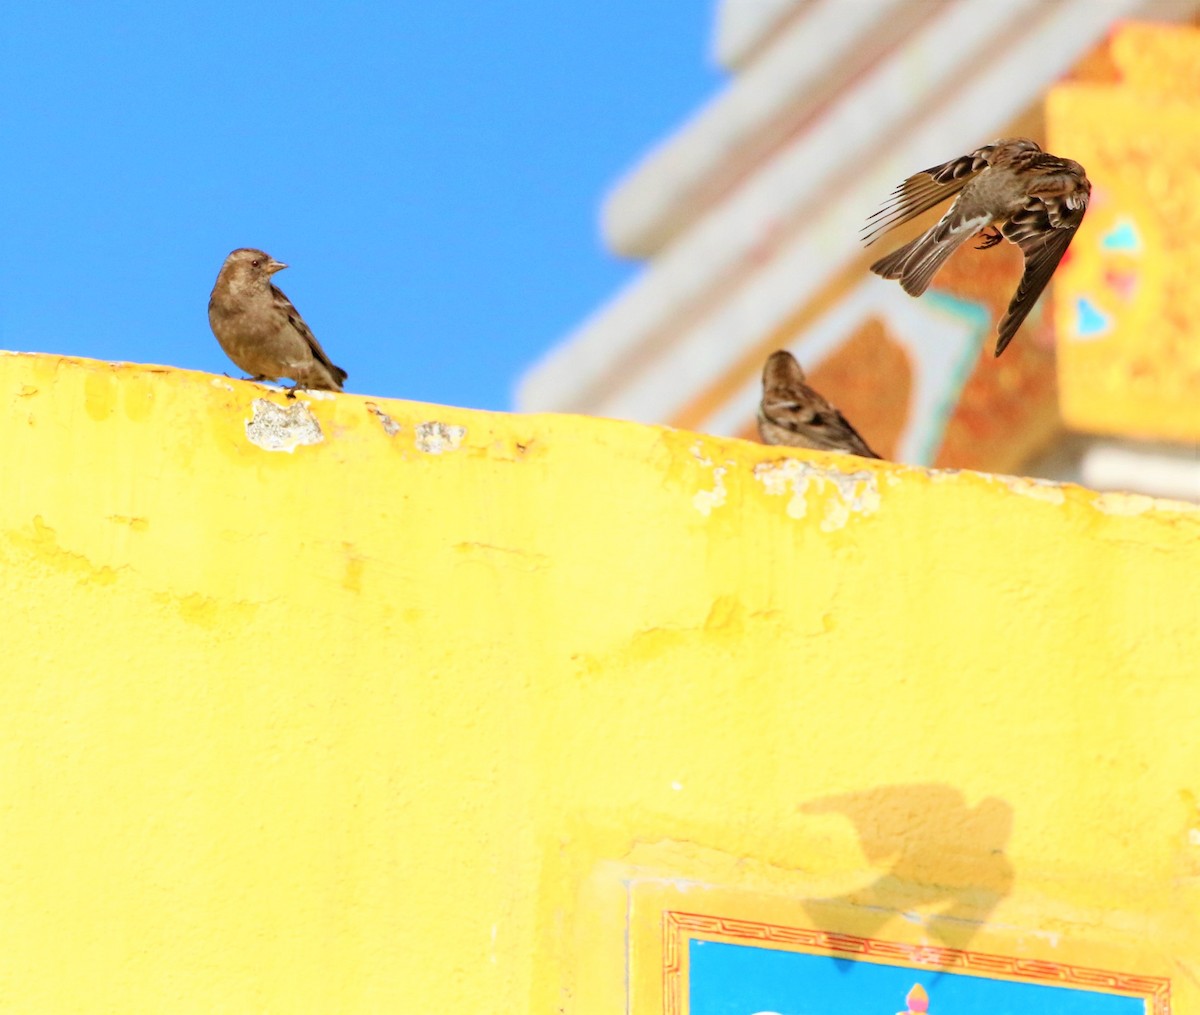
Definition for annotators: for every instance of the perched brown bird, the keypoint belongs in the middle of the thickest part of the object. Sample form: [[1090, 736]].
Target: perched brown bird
[[794, 414], [261, 331], [1011, 189]]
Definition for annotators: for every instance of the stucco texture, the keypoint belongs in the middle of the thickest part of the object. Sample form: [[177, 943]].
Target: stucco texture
[[360, 726]]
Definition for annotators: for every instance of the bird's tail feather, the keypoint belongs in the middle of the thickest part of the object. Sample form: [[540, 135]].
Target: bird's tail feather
[[917, 262], [892, 266]]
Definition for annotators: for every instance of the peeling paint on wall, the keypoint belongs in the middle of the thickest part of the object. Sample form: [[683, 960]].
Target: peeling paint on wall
[[705, 501], [1038, 489], [433, 437], [276, 428], [844, 493], [1139, 504], [390, 426]]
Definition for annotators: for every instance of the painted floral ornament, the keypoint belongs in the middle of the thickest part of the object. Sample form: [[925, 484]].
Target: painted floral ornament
[[917, 1001]]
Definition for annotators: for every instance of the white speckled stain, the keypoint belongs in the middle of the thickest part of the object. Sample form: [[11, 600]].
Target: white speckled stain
[[390, 426], [1053, 492], [1139, 504], [705, 501], [1047, 490], [276, 428], [1038, 489], [1051, 937], [433, 438], [855, 493]]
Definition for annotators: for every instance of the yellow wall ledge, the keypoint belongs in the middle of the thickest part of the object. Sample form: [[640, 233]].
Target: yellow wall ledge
[[366, 724]]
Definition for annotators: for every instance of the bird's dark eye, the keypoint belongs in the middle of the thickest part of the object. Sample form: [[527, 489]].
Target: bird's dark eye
[[255, 263]]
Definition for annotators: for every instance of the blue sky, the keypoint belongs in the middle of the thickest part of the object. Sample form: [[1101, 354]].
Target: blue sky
[[432, 172]]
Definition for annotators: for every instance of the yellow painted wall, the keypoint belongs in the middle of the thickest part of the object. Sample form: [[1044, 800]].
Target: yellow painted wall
[[391, 721], [1127, 297]]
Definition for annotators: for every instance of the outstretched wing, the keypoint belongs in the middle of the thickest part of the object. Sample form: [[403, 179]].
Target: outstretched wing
[[923, 190], [1043, 230]]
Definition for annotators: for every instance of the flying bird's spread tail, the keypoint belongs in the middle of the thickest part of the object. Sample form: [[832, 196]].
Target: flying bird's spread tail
[[1036, 200], [917, 262], [793, 414]]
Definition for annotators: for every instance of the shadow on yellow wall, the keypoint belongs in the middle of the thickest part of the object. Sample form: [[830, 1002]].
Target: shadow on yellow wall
[[941, 851]]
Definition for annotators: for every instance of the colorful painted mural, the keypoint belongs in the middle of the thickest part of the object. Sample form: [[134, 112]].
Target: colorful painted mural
[[1128, 296]]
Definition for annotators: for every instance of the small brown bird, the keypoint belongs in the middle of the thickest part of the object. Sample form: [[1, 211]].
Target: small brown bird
[[1011, 190], [261, 331], [793, 414]]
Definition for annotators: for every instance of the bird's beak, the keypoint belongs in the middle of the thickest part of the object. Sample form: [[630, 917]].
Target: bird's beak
[[274, 266]]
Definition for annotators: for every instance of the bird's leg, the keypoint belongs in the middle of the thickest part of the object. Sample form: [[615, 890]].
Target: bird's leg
[[990, 236]]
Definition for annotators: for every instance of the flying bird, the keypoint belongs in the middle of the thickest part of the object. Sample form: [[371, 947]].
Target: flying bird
[[1009, 189], [261, 331], [793, 414]]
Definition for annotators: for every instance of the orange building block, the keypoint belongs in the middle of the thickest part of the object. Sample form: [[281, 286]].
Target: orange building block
[[1127, 297]]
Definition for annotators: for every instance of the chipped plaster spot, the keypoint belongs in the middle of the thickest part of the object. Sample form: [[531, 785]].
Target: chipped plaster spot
[[276, 428], [433, 438], [1052, 492], [217, 382], [677, 786], [705, 501], [949, 475], [1038, 489], [317, 394], [1139, 504], [390, 426], [848, 492]]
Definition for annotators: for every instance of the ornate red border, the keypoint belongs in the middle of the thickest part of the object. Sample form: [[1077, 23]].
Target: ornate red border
[[678, 927]]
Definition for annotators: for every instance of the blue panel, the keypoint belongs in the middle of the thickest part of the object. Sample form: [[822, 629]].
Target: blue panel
[[1090, 321], [1123, 236], [732, 979]]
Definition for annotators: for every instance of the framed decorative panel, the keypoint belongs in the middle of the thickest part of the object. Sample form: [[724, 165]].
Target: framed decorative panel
[[696, 948], [718, 966]]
